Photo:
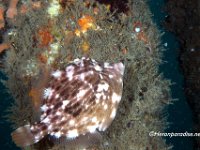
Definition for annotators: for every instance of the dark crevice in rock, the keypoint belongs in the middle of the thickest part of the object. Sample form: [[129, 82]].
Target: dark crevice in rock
[[184, 21]]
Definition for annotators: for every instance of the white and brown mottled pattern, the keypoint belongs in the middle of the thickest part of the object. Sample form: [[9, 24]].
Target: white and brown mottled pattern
[[81, 99]]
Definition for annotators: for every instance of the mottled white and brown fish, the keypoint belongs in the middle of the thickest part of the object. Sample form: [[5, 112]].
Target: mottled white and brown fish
[[80, 100]]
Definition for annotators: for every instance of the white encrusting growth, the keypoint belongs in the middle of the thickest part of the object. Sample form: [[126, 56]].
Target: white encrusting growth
[[53, 8]]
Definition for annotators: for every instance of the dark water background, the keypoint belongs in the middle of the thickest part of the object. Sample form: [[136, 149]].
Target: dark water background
[[179, 114], [5, 130]]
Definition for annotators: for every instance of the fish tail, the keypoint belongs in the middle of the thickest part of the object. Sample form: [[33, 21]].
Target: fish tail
[[24, 137]]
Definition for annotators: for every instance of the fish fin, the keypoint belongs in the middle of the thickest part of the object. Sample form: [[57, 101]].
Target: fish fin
[[81, 142], [23, 137], [119, 67]]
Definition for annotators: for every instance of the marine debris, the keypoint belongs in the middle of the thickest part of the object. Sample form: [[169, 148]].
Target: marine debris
[[59, 32]]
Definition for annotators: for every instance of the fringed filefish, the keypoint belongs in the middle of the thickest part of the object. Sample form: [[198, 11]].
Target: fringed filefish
[[80, 100]]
